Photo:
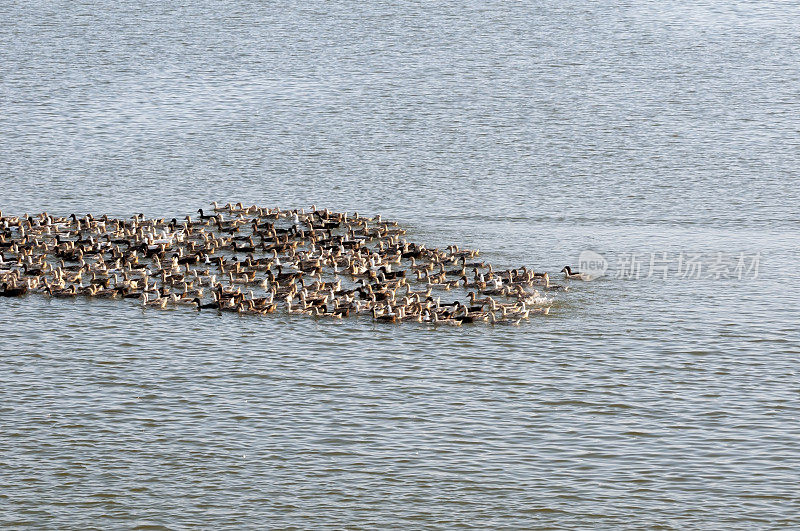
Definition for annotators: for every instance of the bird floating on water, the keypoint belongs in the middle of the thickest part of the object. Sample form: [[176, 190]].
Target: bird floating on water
[[574, 275], [255, 260]]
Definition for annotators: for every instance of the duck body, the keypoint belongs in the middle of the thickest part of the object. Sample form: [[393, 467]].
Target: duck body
[[205, 306], [13, 291], [572, 275]]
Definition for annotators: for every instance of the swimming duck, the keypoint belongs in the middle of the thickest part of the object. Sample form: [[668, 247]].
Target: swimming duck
[[13, 291], [569, 273]]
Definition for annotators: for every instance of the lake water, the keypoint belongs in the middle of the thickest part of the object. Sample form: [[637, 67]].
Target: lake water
[[663, 131]]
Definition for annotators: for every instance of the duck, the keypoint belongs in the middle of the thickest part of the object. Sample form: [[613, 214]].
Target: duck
[[204, 216], [205, 306], [447, 319], [553, 287], [570, 274], [388, 316], [13, 291]]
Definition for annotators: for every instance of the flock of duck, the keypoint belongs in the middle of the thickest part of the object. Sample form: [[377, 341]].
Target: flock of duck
[[252, 260]]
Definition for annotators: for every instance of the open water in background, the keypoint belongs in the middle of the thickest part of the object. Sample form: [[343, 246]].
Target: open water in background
[[531, 130]]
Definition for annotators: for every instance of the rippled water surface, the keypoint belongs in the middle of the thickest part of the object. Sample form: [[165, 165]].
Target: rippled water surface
[[531, 130]]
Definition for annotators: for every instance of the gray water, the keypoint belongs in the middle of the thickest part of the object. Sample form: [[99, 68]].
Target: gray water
[[531, 130]]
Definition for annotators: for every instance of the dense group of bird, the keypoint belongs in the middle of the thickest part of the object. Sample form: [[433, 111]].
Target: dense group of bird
[[253, 260]]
